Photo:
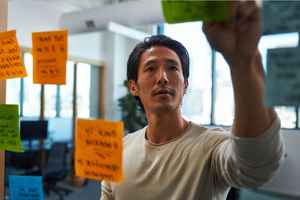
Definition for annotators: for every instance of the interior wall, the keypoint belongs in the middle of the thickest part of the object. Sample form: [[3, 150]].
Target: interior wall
[[27, 17], [115, 50]]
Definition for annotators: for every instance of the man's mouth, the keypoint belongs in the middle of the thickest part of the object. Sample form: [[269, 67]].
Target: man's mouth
[[164, 92]]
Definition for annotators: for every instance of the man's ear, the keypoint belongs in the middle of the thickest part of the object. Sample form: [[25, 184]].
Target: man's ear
[[186, 84], [133, 88]]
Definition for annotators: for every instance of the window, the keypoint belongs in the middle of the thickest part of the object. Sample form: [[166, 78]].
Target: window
[[83, 90], [58, 99], [199, 98], [32, 92], [13, 91], [286, 114], [224, 104], [66, 93], [199, 90], [50, 100]]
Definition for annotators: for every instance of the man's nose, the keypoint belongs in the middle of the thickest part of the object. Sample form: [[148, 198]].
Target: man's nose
[[162, 77]]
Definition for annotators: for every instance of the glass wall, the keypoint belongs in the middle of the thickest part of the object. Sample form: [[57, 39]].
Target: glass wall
[[199, 91], [58, 107], [217, 108]]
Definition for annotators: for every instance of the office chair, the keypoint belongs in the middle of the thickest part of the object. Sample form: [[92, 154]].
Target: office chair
[[56, 170], [233, 194]]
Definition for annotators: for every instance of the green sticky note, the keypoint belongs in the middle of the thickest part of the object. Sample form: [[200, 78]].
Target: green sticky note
[[10, 129], [177, 11]]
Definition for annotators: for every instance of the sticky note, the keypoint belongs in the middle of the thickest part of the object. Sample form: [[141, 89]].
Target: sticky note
[[10, 128], [98, 149], [11, 65], [178, 11], [26, 188], [283, 77], [49, 52]]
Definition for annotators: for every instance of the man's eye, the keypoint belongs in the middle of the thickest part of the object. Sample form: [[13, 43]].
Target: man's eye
[[150, 69], [173, 67]]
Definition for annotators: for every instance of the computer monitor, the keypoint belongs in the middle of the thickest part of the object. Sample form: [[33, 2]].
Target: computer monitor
[[34, 130]]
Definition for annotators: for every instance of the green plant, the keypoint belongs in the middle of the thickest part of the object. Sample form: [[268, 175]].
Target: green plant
[[133, 116]]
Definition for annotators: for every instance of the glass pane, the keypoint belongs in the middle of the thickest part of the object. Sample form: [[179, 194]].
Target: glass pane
[[50, 100], [286, 114], [224, 105], [31, 91], [276, 41], [13, 91], [66, 92], [199, 90], [83, 90], [224, 98]]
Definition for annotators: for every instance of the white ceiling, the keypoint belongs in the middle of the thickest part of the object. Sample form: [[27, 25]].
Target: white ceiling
[[70, 5]]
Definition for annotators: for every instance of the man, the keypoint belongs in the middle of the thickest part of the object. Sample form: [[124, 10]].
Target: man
[[173, 158]]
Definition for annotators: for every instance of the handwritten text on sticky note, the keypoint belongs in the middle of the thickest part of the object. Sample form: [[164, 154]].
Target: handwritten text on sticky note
[[11, 65], [49, 51], [9, 128], [98, 150], [26, 188]]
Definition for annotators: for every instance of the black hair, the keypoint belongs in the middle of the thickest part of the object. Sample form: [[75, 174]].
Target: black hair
[[156, 40]]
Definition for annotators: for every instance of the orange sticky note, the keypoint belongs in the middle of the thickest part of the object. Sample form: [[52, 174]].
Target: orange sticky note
[[98, 150], [10, 56], [49, 52]]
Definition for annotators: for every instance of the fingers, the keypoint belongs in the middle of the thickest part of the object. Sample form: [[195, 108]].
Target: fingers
[[207, 26], [241, 13], [247, 10], [248, 13]]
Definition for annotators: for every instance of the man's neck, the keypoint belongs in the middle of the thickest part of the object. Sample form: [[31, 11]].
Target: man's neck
[[165, 127]]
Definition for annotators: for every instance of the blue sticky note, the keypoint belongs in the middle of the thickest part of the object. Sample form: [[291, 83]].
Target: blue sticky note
[[283, 77], [26, 188]]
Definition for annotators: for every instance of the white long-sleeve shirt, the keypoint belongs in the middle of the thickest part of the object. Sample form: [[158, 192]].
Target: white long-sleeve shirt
[[200, 165]]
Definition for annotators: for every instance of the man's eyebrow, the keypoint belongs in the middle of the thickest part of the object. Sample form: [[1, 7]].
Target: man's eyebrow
[[171, 61], [154, 61], [150, 62]]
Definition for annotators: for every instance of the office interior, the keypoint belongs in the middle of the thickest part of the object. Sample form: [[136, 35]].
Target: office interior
[[96, 71]]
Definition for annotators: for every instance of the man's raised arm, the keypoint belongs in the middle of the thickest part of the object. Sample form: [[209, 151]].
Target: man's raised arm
[[237, 40]]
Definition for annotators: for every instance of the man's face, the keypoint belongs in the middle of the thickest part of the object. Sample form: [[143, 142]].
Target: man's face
[[160, 84]]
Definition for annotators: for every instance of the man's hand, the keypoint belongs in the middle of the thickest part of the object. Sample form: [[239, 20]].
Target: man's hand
[[236, 39]]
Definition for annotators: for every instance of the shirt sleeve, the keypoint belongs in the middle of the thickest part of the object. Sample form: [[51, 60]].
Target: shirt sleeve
[[249, 162], [106, 191]]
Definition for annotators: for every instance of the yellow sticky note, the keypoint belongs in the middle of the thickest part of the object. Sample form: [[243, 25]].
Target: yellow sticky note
[[10, 138], [49, 51], [98, 149], [10, 56]]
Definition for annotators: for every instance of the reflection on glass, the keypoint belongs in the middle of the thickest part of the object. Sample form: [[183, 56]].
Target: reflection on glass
[[50, 100], [31, 106], [13, 91], [224, 110], [66, 92], [286, 114], [277, 41], [197, 101], [83, 90]]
